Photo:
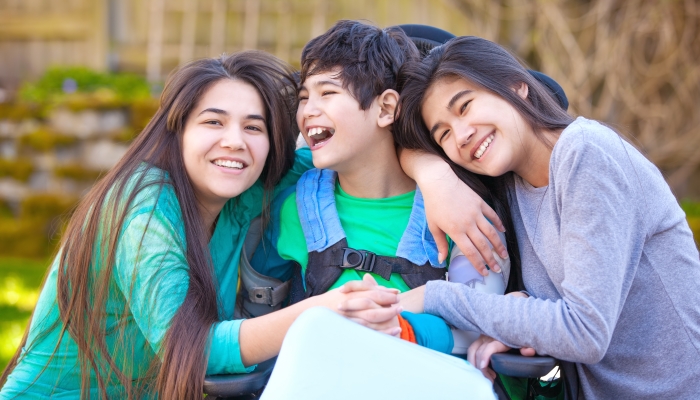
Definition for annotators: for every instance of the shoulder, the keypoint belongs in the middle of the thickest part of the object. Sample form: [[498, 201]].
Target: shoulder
[[147, 191], [584, 135], [590, 144]]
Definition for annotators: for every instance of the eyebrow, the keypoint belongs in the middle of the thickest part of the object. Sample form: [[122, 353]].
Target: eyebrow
[[321, 83], [256, 117], [214, 110], [456, 97], [224, 112]]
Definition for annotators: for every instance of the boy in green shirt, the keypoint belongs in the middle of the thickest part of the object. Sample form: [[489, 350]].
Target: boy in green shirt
[[347, 101]]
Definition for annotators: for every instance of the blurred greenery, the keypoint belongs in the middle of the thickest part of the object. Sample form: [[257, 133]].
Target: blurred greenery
[[43, 139], [18, 112], [35, 231], [77, 172], [79, 88], [691, 208], [19, 290], [20, 169]]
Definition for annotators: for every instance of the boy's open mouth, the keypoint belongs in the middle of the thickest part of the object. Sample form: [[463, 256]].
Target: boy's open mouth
[[318, 135]]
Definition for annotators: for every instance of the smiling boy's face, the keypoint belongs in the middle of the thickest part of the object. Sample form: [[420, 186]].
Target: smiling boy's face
[[336, 129]]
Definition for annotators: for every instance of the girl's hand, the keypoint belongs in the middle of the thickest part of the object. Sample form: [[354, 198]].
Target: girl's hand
[[453, 209], [480, 352], [364, 308]]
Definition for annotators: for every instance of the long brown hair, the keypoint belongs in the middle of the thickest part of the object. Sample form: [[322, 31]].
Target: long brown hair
[[492, 68], [83, 289]]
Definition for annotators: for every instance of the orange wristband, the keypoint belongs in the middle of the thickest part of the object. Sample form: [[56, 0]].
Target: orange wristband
[[407, 330]]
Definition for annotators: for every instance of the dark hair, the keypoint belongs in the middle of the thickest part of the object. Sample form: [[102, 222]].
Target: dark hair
[[177, 372], [369, 58], [492, 68]]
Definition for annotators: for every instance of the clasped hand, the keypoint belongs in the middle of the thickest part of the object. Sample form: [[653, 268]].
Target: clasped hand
[[371, 305]]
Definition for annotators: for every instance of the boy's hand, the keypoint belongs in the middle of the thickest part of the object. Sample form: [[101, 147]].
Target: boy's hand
[[453, 209]]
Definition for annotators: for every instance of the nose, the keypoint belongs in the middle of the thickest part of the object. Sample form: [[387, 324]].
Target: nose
[[233, 139], [463, 134], [309, 108]]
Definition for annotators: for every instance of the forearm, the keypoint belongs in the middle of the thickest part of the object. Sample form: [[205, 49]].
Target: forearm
[[422, 166], [261, 338], [563, 330], [412, 301]]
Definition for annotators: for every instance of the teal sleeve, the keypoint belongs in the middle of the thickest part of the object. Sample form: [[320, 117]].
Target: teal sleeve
[[431, 331], [225, 350], [151, 271]]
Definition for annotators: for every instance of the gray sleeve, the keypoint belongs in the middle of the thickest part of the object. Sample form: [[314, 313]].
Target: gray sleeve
[[597, 256]]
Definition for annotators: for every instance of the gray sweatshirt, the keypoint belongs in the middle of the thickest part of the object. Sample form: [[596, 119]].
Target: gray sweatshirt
[[612, 268]]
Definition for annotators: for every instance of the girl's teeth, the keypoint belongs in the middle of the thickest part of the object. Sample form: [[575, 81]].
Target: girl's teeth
[[480, 151], [229, 164]]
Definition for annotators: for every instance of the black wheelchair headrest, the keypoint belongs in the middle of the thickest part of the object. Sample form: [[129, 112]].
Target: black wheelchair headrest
[[427, 37]]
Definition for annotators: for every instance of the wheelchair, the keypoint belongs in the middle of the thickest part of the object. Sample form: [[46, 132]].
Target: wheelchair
[[511, 365]]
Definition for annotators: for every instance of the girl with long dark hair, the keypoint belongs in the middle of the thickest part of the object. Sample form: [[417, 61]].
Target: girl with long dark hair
[[139, 300], [607, 256]]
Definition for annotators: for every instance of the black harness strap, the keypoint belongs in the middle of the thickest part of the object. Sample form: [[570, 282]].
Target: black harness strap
[[325, 267]]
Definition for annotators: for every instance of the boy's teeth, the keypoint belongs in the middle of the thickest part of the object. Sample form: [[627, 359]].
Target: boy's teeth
[[229, 164], [317, 131]]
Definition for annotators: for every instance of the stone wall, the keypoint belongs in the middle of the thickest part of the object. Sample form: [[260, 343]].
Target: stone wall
[[65, 151]]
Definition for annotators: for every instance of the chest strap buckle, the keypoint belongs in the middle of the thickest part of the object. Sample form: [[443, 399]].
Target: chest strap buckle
[[361, 260]]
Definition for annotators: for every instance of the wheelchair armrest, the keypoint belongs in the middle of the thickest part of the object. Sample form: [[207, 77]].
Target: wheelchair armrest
[[239, 384], [519, 366]]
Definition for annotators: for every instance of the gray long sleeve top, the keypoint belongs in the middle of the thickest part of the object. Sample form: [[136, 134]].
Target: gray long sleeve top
[[612, 268]]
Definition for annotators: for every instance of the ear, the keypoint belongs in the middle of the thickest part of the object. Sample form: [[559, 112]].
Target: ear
[[522, 91], [387, 101]]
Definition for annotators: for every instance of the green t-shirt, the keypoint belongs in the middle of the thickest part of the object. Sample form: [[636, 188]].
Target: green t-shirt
[[374, 225]]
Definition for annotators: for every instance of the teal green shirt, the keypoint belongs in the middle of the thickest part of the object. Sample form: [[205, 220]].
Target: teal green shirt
[[149, 283]]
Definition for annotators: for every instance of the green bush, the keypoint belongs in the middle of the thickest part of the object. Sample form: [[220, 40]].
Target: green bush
[[36, 232], [44, 140], [18, 112], [25, 238], [125, 135], [692, 211], [77, 172], [81, 87], [691, 208], [45, 207], [141, 113], [20, 169], [5, 210]]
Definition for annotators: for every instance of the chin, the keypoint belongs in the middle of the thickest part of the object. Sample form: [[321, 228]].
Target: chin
[[322, 163]]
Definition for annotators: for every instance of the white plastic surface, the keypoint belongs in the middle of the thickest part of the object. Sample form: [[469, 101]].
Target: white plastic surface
[[325, 356]]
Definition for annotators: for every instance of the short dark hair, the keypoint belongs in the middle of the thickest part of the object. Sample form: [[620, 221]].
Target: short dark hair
[[369, 58]]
